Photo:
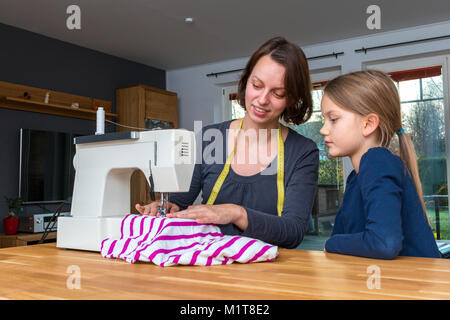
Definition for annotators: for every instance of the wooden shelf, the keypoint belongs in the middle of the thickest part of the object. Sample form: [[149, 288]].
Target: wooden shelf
[[51, 108], [11, 97], [58, 106]]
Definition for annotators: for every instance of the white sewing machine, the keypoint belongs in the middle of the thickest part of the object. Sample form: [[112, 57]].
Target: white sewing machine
[[103, 167]]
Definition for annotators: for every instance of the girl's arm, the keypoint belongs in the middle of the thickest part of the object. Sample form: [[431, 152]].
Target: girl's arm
[[380, 180]]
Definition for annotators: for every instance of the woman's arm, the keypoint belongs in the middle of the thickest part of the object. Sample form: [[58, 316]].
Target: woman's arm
[[288, 230]]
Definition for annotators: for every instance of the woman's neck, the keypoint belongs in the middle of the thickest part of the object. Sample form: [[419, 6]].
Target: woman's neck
[[265, 128]]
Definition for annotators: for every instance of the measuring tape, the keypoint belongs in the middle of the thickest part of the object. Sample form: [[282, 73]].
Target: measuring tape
[[280, 172]]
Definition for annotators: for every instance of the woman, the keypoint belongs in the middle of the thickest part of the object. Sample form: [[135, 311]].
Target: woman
[[262, 198]]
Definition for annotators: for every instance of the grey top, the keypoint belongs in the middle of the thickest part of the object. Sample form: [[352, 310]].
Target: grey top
[[258, 193]]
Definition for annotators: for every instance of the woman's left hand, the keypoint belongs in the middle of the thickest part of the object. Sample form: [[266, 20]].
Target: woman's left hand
[[216, 214]]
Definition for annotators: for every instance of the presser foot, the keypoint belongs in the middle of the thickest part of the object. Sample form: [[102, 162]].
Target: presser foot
[[163, 208], [162, 212]]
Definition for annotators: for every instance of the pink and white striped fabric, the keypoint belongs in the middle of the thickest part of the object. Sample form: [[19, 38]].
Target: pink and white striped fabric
[[171, 241]]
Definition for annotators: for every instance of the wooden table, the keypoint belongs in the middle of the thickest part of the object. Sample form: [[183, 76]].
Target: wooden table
[[46, 272]]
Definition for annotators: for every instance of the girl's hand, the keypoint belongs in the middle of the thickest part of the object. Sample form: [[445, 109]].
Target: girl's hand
[[216, 214], [151, 209]]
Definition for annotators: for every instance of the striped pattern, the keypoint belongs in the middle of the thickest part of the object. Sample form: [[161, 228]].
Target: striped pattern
[[168, 242]]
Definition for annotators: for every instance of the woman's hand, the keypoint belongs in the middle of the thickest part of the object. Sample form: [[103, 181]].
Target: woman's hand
[[151, 209], [216, 214]]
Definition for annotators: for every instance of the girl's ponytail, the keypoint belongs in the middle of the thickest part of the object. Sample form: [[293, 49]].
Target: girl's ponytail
[[408, 155], [372, 91]]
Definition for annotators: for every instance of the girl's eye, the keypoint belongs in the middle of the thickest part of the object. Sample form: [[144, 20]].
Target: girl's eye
[[333, 119], [255, 86]]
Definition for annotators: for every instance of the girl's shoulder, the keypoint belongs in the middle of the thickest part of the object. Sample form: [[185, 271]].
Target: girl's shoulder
[[381, 161], [380, 154]]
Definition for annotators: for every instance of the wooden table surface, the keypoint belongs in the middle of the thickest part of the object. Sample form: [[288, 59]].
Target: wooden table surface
[[46, 272]]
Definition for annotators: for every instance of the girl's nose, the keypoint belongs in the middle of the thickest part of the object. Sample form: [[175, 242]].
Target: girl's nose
[[323, 131]]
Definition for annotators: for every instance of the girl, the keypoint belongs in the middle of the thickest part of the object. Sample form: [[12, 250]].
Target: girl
[[383, 213]]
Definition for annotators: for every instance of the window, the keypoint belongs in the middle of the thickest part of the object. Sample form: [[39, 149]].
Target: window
[[422, 102], [331, 186], [237, 111]]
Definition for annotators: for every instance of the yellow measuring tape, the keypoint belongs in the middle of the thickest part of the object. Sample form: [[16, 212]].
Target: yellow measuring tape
[[280, 172]]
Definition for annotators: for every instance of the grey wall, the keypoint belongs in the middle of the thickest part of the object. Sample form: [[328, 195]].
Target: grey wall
[[34, 60], [200, 97]]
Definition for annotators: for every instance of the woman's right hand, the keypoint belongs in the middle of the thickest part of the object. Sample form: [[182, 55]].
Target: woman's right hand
[[151, 209]]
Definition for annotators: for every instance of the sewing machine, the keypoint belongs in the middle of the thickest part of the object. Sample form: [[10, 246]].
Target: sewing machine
[[104, 164]]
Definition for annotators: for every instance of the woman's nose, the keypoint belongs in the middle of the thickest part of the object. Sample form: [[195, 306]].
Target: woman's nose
[[263, 98]]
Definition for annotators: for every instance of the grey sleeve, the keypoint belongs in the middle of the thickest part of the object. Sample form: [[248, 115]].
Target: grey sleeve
[[288, 230]]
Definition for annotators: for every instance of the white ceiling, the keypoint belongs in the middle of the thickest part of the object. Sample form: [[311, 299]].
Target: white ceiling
[[153, 32]]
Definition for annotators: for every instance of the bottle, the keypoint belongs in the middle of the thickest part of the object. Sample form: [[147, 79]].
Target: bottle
[[100, 121]]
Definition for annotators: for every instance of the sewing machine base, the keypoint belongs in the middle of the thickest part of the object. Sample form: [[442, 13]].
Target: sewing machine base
[[86, 233]]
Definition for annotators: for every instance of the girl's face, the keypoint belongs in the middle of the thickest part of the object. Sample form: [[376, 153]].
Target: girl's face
[[342, 129], [265, 95]]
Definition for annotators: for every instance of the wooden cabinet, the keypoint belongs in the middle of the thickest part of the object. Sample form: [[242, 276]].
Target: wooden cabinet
[[141, 106], [24, 239]]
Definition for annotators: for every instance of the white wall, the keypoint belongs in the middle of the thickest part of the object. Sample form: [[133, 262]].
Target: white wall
[[200, 97]]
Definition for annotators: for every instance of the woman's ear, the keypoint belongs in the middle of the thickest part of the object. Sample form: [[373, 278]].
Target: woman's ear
[[370, 124]]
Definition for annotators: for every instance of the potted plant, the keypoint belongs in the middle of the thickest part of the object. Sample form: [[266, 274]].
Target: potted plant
[[11, 222]]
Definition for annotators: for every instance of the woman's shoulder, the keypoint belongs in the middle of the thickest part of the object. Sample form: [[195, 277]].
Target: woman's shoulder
[[299, 141], [222, 126]]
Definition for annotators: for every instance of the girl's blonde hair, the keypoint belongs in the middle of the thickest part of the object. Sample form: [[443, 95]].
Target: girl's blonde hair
[[373, 91]]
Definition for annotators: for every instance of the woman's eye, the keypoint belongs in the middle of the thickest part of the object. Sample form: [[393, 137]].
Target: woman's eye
[[255, 86], [278, 95], [333, 119]]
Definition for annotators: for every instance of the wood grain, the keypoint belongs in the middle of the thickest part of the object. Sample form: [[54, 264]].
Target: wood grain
[[41, 272]]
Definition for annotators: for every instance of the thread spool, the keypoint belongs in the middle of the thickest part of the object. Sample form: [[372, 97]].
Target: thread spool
[[100, 121]]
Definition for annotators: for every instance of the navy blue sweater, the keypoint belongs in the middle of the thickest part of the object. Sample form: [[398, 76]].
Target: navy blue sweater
[[258, 193], [381, 215]]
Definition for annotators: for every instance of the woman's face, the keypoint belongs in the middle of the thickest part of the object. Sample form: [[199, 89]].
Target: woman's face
[[265, 95]]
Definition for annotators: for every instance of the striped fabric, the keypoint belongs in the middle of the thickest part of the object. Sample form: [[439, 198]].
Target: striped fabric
[[171, 241]]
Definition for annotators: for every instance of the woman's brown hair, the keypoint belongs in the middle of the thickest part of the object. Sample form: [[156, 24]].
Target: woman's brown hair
[[373, 91], [297, 81]]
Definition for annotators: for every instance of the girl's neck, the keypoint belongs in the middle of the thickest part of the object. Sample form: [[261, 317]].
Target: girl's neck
[[356, 157]]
